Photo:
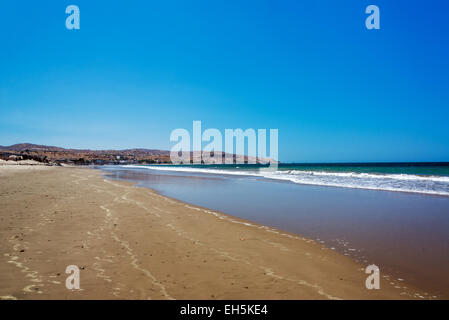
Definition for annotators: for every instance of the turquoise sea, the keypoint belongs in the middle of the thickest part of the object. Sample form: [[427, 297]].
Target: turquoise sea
[[425, 178]]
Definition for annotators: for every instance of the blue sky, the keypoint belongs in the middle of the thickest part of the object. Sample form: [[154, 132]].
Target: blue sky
[[136, 70]]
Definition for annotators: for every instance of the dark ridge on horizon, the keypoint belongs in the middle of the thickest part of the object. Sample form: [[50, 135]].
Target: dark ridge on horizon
[[59, 155], [38, 147]]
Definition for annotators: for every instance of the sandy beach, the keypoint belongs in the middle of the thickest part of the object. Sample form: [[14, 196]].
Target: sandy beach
[[133, 243]]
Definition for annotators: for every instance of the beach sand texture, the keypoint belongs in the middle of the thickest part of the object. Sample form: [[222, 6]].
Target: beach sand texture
[[132, 243]]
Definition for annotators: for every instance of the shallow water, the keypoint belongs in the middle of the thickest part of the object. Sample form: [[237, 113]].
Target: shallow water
[[405, 234], [423, 178]]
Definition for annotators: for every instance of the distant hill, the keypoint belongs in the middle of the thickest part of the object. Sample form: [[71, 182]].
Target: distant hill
[[23, 147], [29, 146], [85, 156]]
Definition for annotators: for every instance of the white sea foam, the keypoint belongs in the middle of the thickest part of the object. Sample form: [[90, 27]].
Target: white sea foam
[[433, 185]]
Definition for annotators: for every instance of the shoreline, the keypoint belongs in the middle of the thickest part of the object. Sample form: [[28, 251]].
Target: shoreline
[[196, 253], [219, 171]]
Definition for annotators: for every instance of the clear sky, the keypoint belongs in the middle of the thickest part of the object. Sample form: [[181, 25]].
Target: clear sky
[[136, 70]]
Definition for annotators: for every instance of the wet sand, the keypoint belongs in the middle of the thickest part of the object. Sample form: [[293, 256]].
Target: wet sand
[[133, 243]]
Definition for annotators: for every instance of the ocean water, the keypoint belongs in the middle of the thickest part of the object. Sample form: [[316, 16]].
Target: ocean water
[[424, 178], [395, 216]]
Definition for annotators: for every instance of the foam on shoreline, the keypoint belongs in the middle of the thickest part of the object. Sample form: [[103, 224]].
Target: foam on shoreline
[[430, 185]]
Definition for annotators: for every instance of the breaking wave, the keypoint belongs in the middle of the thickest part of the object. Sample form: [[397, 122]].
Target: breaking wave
[[433, 185]]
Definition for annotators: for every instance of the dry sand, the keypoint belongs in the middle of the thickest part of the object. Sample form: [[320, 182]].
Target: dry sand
[[132, 243]]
